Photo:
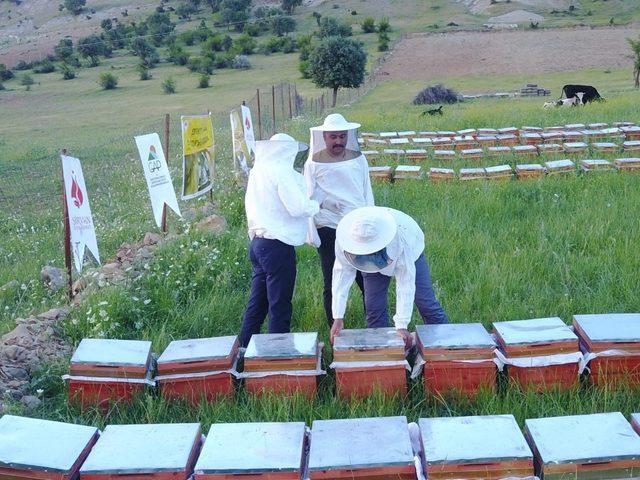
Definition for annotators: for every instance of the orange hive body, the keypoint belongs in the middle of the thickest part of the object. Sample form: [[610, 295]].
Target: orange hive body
[[472, 448], [104, 371], [458, 358], [252, 451], [628, 164], [592, 165], [529, 170], [613, 343], [600, 446], [198, 369], [40, 449], [499, 172], [560, 167], [631, 132], [366, 360], [521, 341], [381, 173], [362, 449], [149, 452], [282, 363], [441, 174]]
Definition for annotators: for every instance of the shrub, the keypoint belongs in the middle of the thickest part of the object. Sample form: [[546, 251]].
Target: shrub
[[384, 25], [46, 66], [189, 37], [368, 25], [252, 29], [2, 86], [22, 65], [383, 41], [26, 80], [330, 27], [75, 6], [68, 73], [436, 94], [282, 24], [169, 85], [274, 44], [5, 73], [289, 45], [144, 72], [203, 81], [108, 81], [244, 45], [178, 55], [303, 67], [241, 62]]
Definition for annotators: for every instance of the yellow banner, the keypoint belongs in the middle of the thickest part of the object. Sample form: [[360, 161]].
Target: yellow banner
[[197, 134]]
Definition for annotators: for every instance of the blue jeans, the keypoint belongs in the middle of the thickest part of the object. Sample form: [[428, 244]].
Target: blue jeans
[[376, 286], [272, 283]]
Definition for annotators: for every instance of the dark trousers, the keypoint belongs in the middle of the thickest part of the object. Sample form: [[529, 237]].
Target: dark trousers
[[376, 286], [327, 252], [272, 282]]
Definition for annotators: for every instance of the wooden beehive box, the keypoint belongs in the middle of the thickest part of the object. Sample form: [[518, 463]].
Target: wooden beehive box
[[530, 129], [472, 153], [423, 141], [623, 124], [381, 173], [393, 152], [376, 142], [447, 349], [472, 174], [521, 341], [398, 141], [554, 128], [572, 136], [631, 133], [416, 153], [506, 139], [499, 172], [487, 140], [468, 132], [550, 149], [594, 135], [598, 125], [197, 369], [31, 448], [575, 147], [487, 131], [464, 143], [599, 446], [531, 138], [529, 170], [525, 150], [551, 137], [558, 167], [407, 133], [631, 146], [343, 449], [369, 359], [388, 134], [269, 451], [408, 172], [629, 164], [439, 142], [605, 147], [447, 133], [592, 165], [615, 341], [498, 151], [507, 131], [441, 174], [575, 126], [444, 154], [144, 452], [471, 448], [105, 370]]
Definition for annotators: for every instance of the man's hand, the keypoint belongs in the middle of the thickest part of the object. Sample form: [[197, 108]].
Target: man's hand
[[406, 337], [332, 205], [337, 326]]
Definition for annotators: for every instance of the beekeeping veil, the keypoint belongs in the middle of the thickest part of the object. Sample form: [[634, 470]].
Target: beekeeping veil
[[279, 150], [335, 140]]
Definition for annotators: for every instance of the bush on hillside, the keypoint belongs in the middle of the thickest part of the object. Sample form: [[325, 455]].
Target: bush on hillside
[[46, 66], [26, 80], [108, 81], [384, 25], [169, 85], [143, 72], [203, 81], [68, 73], [5, 73], [368, 25], [241, 62], [436, 94], [330, 27]]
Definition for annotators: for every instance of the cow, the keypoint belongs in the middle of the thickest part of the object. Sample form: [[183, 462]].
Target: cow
[[433, 111], [590, 94]]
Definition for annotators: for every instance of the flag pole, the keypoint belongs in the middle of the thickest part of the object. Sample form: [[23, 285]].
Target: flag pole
[[67, 235]]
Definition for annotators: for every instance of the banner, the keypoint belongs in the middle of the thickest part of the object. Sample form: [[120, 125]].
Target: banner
[[197, 155], [156, 172], [247, 124], [81, 227], [242, 160]]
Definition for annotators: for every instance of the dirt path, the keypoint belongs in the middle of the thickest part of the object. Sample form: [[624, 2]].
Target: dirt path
[[430, 56]]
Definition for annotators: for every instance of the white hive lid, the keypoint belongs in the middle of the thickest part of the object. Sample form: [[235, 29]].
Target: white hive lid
[[454, 336], [282, 345], [368, 339], [559, 163], [536, 330], [611, 327], [98, 351], [198, 349]]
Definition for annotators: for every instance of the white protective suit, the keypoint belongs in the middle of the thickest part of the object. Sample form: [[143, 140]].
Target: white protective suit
[[276, 202]]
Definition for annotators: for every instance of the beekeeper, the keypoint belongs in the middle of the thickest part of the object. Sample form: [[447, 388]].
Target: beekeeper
[[278, 214], [383, 243], [337, 176]]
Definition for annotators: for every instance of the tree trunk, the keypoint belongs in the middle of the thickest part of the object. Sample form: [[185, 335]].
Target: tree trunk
[[335, 97], [636, 73]]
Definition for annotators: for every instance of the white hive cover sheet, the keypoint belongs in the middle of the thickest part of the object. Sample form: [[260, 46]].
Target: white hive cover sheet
[[380, 169], [444, 171], [282, 345], [246, 448], [499, 149], [449, 153], [406, 133], [454, 336], [575, 145], [559, 164], [453, 440], [198, 349], [96, 351], [605, 145], [472, 171], [142, 448], [530, 166], [524, 148], [536, 330], [596, 163], [368, 339], [33, 444], [360, 443], [398, 141], [499, 169], [612, 327], [599, 437], [408, 168]]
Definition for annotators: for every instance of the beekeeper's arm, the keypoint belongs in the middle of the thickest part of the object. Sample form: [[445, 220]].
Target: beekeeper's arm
[[343, 277], [405, 274], [294, 199], [368, 191]]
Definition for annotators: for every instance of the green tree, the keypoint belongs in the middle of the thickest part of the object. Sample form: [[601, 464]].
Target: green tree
[[203, 81], [235, 13], [108, 81], [68, 73], [159, 26], [5, 73], [147, 52], [635, 49], [244, 45], [282, 24], [91, 47], [64, 50], [75, 6], [368, 25], [337, 62], [290, 5], [330, 27], [169, 85], [317, 16]]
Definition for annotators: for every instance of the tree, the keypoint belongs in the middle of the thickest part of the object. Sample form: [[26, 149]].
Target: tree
[[635, 48], [290, 5], [282, 24], [147, 52], [244, 45], [214, 5], [91, 47], [5, 73], [337, 62], [368, 25], [108, 81], [159, 25], [106, 24], [317, 16], [330, 27], [68, 73], [235, 13], [64, 50], [75, 6]]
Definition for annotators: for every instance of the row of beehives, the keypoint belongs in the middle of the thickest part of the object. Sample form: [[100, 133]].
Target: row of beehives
[[503, 172], [597, 446], [569, 148], [544, 353]]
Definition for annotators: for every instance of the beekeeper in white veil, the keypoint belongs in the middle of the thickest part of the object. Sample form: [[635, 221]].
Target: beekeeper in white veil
[[337, 176], [278, 214]]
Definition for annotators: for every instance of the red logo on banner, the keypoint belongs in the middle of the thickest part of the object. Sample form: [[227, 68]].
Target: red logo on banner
[[76, 192], [247, 123]]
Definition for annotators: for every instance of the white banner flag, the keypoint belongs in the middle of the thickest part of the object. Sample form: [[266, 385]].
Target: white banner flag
[[247, 124], [157, 174], [81, 227]]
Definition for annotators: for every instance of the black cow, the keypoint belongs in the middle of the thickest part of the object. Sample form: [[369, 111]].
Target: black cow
[[590, 93]]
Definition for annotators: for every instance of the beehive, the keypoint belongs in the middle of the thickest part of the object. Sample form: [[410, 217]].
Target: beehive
[[529, 170], [558, 167]]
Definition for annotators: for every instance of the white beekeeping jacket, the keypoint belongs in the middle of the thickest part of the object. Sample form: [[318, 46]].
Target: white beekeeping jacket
[[404, 250], [343, 180], [276, 202]]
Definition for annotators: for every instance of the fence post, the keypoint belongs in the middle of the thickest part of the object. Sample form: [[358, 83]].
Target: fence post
[[295, 93], [259, 115], [273, 107], [282, 100], [290, 110], [322, 104]]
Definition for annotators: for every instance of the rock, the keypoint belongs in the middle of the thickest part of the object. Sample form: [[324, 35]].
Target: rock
[[53, 278], [16, 373], [212, 224], [54, 314], [30, 402], [20, 335], [10, 288], [189, 214], [207, 209], [151, 238], [15, 353]]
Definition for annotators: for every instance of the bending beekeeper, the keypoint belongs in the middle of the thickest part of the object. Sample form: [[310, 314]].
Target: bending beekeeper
[[278, 215], [383, 243], [337, 176]]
